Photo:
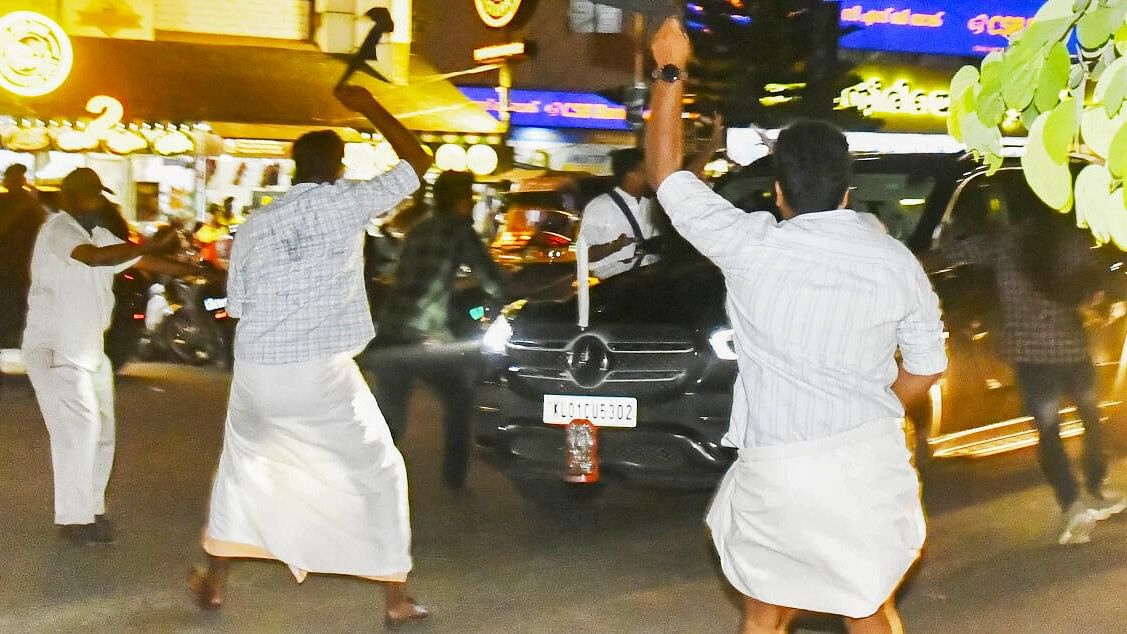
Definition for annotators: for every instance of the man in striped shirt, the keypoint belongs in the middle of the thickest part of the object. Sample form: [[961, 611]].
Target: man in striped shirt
[[821, 510]]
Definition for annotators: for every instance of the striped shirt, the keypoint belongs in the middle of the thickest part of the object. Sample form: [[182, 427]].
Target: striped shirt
[[296, 280], [819, 305]]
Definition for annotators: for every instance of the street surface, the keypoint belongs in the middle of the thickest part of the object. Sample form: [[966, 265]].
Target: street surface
[[485, 561]]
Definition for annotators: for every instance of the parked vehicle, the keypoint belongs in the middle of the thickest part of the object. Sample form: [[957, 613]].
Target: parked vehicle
[[177, 319], [659, 340]]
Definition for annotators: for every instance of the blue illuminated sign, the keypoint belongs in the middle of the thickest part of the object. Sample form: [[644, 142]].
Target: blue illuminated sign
[[934, 26], [552, 109]]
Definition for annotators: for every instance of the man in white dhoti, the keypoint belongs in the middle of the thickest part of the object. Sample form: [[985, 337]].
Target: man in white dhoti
[[70, 304], [821, 509], [309, 474]]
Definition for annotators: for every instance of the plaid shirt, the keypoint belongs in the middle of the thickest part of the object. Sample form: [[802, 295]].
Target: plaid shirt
[[418, 306], [1035, 329], [297, 275]]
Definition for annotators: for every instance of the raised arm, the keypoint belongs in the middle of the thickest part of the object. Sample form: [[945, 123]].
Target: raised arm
[[402, 140], [664, 141]]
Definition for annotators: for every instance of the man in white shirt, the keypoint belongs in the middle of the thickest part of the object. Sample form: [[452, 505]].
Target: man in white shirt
[[309, 475], [821, 509], [69, 308], [617, 224]]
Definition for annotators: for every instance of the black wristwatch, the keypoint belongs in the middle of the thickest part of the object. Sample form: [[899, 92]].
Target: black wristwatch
[[669, 74]]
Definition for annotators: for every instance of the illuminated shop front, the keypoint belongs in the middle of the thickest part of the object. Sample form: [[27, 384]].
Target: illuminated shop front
[[174, 127], [559, 130]]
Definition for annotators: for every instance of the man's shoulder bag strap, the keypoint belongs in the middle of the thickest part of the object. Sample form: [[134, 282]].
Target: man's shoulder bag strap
[[634, 226]]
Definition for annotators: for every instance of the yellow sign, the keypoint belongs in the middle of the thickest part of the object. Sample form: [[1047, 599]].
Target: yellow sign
[[499, 51], [497, 13], [872, 98], [35, 54]]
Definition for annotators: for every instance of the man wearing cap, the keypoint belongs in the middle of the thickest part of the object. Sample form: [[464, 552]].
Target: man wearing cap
[[69, 307]]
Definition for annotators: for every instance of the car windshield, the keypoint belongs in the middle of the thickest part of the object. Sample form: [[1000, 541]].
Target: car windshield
[[898, 200]]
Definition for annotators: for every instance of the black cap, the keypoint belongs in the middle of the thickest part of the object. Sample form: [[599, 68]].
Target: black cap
[[84, 182]]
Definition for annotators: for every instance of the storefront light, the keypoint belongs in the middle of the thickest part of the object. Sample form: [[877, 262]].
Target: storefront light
[[482, 159], [35, 54], [450, 157]]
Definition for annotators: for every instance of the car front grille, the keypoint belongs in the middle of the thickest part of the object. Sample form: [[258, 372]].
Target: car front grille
[[609, 362]]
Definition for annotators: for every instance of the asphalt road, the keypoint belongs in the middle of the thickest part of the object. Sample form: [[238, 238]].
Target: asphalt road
[[635, 561]]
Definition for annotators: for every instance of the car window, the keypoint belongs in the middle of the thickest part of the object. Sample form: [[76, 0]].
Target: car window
[[980, 206], [898, 200]]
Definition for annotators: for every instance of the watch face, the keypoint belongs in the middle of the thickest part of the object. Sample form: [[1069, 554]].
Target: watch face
[[497, 13], [670, 73]]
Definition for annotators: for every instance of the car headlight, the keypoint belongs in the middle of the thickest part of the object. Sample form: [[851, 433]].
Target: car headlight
[[724, 344], [497, 336]]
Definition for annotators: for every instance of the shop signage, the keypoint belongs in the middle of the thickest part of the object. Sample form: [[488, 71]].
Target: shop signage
[[935, 26], [497, 13], [35, 54], [873, 99], [552, 109], [499, 52], [105, 132]]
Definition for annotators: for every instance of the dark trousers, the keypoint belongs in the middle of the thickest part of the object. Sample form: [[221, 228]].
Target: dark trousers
[[398, 366], [1042, 385]]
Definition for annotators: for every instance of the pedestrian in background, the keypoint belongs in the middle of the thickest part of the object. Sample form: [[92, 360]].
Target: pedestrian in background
[[821, 509], [1045, 272], [21, 215], [309, 474], [69, 308], [418, 320]]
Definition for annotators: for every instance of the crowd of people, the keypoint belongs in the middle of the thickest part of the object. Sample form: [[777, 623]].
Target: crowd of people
[[821, 511]]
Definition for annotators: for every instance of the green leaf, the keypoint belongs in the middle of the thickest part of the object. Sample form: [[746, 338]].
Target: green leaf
[[991, 75], [1096, 26], [1121, 40], [1097, 129], [1054, 77], [961, 91], [1111, 88], [1029, 115], [1059, 130], [1049, 179], [1101, 207], [964, 79], [1021, 82], [991, 108], [1117, 153], [1055, 9], [979, 136]]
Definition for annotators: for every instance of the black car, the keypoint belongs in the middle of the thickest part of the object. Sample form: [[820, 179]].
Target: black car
[[659, 338]]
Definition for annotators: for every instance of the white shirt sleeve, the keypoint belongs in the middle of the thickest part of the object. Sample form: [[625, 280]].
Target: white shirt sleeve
[[920, 333], [716, 227], [103, 238]]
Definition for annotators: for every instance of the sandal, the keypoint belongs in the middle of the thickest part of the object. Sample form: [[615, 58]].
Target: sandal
[[202, 590], [418, 613]]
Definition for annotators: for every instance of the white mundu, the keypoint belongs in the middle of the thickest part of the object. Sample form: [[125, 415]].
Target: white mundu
[[309, 474], [821, 511], [69, 308]]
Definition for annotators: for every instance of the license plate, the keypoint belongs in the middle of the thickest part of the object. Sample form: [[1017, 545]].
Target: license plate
[[214, 303], [603, 411]]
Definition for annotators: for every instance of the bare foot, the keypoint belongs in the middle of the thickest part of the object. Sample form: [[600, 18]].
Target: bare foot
[[206, 593]]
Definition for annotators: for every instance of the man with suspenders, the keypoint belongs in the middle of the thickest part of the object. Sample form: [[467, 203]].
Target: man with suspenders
[[617, 224]]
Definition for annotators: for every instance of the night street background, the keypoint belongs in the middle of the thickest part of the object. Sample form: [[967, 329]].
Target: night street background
[[486, 561]]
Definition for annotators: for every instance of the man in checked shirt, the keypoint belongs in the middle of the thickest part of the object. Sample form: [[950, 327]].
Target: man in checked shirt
[[415, 319], [1045, 271], [309, 474]]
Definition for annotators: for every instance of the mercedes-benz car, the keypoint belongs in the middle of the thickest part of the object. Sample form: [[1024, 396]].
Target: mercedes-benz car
[[658, 341]]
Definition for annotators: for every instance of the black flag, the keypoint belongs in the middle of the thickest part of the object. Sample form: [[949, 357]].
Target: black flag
[[367, 51]]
